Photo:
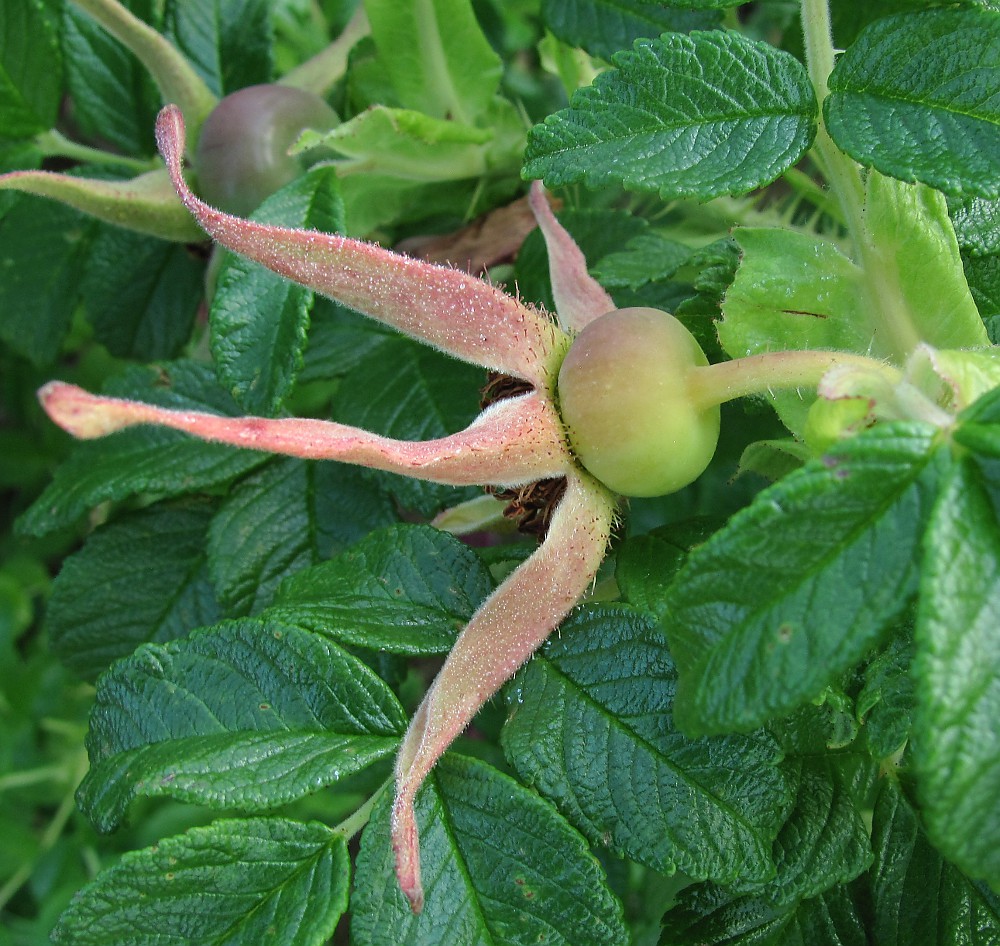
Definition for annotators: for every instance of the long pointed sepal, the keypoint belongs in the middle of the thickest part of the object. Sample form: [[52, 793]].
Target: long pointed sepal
[[579, 297], [450, 310], [513, 442], [506, 630]]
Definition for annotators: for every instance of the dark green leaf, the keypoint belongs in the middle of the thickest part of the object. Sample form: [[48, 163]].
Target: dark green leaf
[[915, 98], [282, 518], [920, 899], [956, 742], [231, 882], [141, 578], [30, 69], [596, 704], [227, 41], [114, 98], [43, 251], [338, 339], [405, 589], [405, 390], [649, 257], [983, 275], [141, 294], [143, 459], [885, 702], [977, 224], [259, 320], [685, 116], [499, 866], [979, 427], [602, 27], [797, 587], [248, 714], [711, 917]]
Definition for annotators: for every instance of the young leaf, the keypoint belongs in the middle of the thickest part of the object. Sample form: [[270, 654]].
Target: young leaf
[[99, 611], [977, 224], [598, 703], [887, 698], [500, 866], [141, 294], [404, 589], [602, 27], [685, 116], [288, 515], [143, 459], [919, 899], [230, 882], [30, 69], [259, 320], [797, 587], [956, 743], [914, 96], [437, 57], [247, 714], [227, 41]]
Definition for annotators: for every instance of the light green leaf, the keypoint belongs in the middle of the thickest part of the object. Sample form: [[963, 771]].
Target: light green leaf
[[686, 116], [405, 144], [602, 27], [915, 97], [499, 865], [792, 291], [143, 459], [284, 517], [231, 883], [227, 41], [437, 57], [259, 320], [248, 714], [956, 742], [404, 589], [140, 578], [30, 69], [920, 899], [598, 703], [798, 586]]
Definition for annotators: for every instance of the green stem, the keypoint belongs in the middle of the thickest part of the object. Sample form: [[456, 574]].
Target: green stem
[[50, 836], [888, 307], [766, 373], [321, 72], [53, 144], [352, 824]]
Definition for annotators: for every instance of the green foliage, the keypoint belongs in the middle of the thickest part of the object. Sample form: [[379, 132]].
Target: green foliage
[[772, 718]]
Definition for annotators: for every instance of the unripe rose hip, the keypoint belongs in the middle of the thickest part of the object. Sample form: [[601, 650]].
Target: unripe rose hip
[[624, 397], [242, 154]]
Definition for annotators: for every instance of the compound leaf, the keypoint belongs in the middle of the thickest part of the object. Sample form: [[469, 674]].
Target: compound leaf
[[916, 97], [249, 713], [686, 116], [500, 865], [230, 883]]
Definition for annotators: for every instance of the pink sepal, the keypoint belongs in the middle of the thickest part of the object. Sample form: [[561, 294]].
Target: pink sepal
[[515, 441], [451, 310], [506, 630], [579, 297]]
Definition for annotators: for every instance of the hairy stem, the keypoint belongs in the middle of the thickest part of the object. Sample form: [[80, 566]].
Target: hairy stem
[[885, 299], [55, 145], [764, 374]]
